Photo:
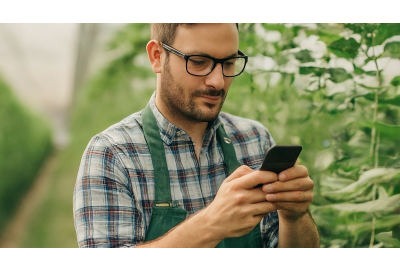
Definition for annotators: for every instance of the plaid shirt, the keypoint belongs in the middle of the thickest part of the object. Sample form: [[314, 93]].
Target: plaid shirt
[[114, 190]]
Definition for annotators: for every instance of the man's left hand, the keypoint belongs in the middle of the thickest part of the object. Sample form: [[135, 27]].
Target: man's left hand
[[292, 194]]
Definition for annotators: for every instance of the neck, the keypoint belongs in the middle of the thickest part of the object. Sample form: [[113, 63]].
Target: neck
[[195, 130]]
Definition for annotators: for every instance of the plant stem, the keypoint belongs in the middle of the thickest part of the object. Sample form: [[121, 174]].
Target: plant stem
[[376, 137], [377, 150], [371, 242], [372, 150], [375, 145]]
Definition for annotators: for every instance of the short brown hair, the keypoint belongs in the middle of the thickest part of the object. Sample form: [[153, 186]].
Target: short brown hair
[[165, 32]]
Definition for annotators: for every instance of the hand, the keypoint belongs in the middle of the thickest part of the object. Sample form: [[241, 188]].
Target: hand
[[292, 194], [238, 207]]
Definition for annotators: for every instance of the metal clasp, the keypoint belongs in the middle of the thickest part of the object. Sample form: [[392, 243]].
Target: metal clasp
[[227, 140], [164, 204]]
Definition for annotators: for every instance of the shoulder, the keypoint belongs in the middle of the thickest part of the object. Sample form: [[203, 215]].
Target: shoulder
[[124, 135], [244, 129]]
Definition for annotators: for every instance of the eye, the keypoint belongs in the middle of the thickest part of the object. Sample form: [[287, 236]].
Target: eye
[[229, 63], [197, 62]]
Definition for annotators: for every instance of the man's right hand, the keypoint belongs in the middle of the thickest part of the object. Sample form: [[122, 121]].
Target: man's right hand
[[238, 206]]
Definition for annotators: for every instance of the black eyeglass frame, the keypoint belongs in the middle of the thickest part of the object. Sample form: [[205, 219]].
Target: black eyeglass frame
[[215, 60]]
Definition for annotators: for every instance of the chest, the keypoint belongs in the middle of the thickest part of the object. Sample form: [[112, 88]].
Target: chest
[[194, 182]]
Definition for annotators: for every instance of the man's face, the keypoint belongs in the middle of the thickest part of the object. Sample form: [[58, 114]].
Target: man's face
[[198, 99]]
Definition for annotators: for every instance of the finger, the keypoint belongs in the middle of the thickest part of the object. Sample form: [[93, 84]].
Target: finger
[[239, 172], [297, 171], [301, 184], [254, 195], [263, 208], [249, 181], [291, 196]]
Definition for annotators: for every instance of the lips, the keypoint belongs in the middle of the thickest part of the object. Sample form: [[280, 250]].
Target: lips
[[211, 99]]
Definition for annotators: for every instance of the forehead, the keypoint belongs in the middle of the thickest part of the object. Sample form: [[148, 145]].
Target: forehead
[[217, 40]]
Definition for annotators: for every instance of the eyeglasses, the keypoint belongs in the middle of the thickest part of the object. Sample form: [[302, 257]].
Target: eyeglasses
[[202, 65]]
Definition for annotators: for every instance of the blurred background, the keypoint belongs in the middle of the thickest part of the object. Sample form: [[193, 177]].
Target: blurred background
[[333, 88]]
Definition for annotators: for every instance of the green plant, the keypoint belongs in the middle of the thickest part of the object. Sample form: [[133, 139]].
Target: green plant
[[119, 89], [337, 73], [25, 142]]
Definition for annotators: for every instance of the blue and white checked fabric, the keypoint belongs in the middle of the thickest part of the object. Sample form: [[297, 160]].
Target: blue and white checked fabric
[[114, 190]]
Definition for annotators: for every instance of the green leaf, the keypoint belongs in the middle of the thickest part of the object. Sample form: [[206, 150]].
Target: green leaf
[[292, 77], [391, 101], [381, 223], [327, 36], [345, 48], [324, 159], [392, 49], [357, 70], [362, 28], [370, 73], [396, 231], [388, 240], [372, 87], [385, 31], [392, 131], [338, 75], [335, 183], [303, 70], [366, 179], [304, 56], [395, 82], [355, 27], [275, 27], [382, 193], [377, 208]]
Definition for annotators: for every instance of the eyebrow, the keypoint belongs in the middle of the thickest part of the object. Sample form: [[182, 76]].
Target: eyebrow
[[206, 54]]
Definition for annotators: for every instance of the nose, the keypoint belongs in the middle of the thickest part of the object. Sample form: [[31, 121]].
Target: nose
[[215, 79]]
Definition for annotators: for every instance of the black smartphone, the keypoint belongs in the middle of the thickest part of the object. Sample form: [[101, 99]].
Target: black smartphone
[[280, 158]]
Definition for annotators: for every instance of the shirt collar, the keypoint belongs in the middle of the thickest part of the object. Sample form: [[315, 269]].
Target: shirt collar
[[168, 131]]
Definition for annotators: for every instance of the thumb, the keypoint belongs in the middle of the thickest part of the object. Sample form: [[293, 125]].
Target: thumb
[[239, 172]]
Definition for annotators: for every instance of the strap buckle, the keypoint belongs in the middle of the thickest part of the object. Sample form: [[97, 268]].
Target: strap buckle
[[164, 204]]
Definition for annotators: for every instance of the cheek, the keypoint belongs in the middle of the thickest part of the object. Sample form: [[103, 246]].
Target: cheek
[[228, 82], [189, 83]]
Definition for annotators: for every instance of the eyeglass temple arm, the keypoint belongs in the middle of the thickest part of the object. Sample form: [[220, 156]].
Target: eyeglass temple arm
[[168, 48]]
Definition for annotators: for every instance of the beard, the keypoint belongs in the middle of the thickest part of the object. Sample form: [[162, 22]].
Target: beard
[[180, 104]]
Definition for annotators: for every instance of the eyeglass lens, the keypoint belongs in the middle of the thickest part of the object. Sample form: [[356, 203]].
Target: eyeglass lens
[[199, 65]]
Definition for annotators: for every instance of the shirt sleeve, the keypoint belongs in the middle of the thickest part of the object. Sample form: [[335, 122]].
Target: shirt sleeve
[[105, 212], [270, 230]]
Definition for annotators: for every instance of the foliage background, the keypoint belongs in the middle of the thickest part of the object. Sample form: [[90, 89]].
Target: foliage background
[[25, 142], [333, 88]]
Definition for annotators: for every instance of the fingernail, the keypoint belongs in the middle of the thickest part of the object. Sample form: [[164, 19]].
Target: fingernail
[[271, 197], [268, 188], [282, 176]]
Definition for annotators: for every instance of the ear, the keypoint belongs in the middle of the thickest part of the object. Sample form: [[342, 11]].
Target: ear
[[154, 52]]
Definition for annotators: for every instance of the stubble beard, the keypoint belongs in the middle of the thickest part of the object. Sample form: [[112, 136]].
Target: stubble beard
[[173, 96]]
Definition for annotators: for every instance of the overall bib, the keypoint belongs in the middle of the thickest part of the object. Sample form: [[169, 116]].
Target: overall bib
[[165, 214]]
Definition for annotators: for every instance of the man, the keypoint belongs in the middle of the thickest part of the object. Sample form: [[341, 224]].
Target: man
[[180, 173]]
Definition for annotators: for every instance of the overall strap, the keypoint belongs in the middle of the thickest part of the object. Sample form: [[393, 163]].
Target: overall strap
[[156, 147], [158, 158], [227, 148]]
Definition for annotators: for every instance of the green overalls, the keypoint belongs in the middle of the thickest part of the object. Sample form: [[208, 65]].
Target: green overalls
[[165, 214]]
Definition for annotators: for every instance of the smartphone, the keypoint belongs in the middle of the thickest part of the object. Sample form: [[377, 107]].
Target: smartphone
[[280, 158]]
